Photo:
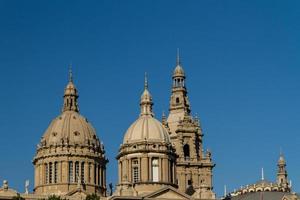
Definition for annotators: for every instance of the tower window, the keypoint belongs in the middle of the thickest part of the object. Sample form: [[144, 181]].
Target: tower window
[[50, 172], [99, 175], [55, 172], [76, 171], [95, 173], [46, 173], [135, 170], [155, 170], [82, 172], [186, 151], [71, 177], [177, 100], [89, 172]]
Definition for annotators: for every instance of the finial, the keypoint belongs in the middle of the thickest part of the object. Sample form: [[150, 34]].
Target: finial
[[262, 174], [146, 81], [70, 73], [225, 191], [280, 151], [178, 57]]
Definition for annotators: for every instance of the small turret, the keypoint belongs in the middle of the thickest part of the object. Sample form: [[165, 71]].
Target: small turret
[[282, 172], [70, 95]]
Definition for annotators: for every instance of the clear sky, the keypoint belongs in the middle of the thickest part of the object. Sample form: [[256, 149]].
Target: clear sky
[[242, 60]]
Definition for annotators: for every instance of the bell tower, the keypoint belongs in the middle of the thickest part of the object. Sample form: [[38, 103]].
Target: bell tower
[[282, 173], [194, 166]]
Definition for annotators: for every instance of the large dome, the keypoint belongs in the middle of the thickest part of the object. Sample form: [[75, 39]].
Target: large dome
[[146, 128], [70, 128]]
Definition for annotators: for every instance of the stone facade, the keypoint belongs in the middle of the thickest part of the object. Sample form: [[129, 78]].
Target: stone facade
[[70, 156], [157, 160], [194, 166]]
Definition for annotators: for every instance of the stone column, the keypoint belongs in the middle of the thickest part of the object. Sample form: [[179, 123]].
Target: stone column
[[86, 172], [144, 169], [92, 173], [120, 171], [129, 173], [150, 169], [97, 174], [160, 169]]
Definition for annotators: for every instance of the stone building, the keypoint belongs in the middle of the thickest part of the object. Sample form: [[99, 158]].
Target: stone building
[[264, 189], [156, 160], [70, 156], [194, 166]]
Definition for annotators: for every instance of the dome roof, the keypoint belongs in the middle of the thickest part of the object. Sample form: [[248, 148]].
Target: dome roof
[[70, 128], [178, 71], [146, 128]]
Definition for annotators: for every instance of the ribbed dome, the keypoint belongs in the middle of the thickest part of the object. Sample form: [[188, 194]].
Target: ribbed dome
[[70, 128], [146, 128]]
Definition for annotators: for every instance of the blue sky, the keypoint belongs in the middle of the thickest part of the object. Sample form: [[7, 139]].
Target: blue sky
[[241, 59]]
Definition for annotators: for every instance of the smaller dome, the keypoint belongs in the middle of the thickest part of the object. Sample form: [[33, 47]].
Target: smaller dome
[[146, 128], [178, 71], [281, 160], [146, 96]]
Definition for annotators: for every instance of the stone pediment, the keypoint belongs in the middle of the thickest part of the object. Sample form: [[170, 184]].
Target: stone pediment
[[77, 194], [167, 193]]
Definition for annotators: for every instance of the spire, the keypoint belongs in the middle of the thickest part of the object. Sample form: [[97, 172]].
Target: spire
[[178, 71], [70, 74], [178, 58], [70, 95], [146, 81], [146, 100], [262, 174]]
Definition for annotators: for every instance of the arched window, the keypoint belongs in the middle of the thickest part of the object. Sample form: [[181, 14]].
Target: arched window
[[46, 173], [177, 100], [50, 172], [76, 171], [186, 151], [82, 172], [55, 172], [155, 177], [135, 170], [71, 176], [89, 172]]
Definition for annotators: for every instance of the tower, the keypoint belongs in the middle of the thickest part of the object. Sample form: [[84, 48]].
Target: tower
[[282, 173], [70, 157], [194, 166]]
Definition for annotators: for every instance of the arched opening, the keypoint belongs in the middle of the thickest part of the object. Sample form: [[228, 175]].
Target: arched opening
[[50, 172], [71, 177], [55, 172], [135, 171], [76, 171], [82, 172], [186, 152], [155, 177], [177, 100], [46, 173]]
